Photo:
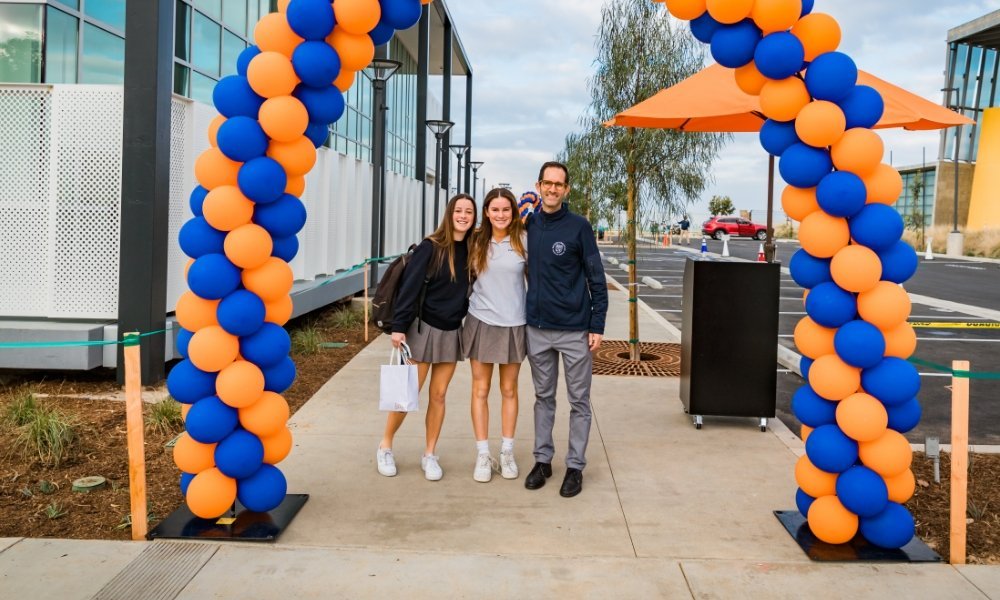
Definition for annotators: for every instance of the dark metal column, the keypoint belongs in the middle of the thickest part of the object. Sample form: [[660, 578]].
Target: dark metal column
[[142, 267], [378, 158], [423, 77], [468, 131], [446, 58]]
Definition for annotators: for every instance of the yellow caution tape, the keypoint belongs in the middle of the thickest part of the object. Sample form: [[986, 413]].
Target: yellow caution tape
[[956, 325]]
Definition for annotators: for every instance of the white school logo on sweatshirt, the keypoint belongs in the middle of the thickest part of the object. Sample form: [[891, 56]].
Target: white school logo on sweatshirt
[[558, 248]]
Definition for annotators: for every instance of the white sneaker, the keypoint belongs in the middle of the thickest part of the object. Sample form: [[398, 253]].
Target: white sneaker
[[508, 468], [485, 465], [432, 470], [386, 463]]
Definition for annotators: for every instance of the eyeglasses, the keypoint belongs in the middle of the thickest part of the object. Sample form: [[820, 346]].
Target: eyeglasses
[[557, 185]]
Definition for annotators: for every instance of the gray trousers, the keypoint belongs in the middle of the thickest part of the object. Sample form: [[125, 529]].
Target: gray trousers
[[544, 348]]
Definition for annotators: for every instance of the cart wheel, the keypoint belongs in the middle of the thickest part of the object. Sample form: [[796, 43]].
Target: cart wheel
[[697, 421], [697, 425], [763, 425]]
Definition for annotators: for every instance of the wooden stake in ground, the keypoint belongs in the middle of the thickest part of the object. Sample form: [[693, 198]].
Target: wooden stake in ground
[[135, 438], [959, 460], [366, 301]]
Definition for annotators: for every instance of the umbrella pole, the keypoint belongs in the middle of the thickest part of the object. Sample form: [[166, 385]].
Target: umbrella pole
[[769, 244]]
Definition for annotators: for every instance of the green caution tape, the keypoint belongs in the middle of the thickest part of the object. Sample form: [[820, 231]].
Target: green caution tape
[[954, 372], [130, 339]]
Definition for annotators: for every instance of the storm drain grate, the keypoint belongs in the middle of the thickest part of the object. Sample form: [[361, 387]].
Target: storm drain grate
[[658, 360]]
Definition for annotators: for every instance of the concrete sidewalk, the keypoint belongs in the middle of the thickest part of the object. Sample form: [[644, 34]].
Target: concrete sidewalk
[[667, 512]]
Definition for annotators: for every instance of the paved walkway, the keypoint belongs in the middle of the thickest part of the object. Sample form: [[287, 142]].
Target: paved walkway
[[666, 512]]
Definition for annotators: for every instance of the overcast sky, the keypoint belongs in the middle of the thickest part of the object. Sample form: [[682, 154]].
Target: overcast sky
[[532, 58]]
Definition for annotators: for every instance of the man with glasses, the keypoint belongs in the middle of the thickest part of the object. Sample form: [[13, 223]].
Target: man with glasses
[[566, 308]]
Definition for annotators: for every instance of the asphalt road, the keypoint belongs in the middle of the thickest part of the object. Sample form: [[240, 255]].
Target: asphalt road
[[974, 286]]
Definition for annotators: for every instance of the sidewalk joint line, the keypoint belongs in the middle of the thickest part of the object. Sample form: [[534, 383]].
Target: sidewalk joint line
[[611, 469]]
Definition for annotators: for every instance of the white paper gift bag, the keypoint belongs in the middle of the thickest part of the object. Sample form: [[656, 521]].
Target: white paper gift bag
[[398, 388]]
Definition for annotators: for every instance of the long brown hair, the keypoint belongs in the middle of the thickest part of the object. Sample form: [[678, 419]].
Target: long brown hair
[[480, 245], [443, 237]]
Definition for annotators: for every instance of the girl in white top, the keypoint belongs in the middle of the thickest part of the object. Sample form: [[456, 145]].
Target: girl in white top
[[493, 332]]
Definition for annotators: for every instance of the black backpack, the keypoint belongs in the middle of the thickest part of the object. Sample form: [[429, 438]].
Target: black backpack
[[384, 300]]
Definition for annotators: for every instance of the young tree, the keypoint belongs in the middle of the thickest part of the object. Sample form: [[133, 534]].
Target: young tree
[[721, 205]]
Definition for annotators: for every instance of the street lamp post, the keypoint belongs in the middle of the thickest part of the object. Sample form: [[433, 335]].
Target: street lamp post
[[379, 72], [439, 128], [475, 174], [459, 150], [955, 241]]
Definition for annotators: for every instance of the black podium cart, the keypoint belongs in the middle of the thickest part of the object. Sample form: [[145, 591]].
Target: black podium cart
[[729, 338]]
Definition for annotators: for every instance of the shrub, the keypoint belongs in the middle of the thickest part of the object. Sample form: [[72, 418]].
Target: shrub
[[306, 340], [346, 318], [165, 417], [21, 409], [50, 434]]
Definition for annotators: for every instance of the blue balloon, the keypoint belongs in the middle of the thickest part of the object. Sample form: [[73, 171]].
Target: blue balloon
[[243, 60], [324, 104], [183, 339], [877, 226], [210, 420], [778, 136], [382, 33], [316, 63], [779, 55], [401, 14], [197, 200], [807, 7], [841, 194], [809, 271], [904, 417], [733, 45], [311, 19], [262, 180], [213, 277], [863, 107], [241, 313], [318, 133], [264, 490], [242, 138], [233, 97], [811, 409], [185, 482], [892, 528], [198, 238], [803, 166], [283, 218], [859, 344], [893, 381], [862, 491], [831, 76], [830, 449], [805, 363], [899, 262], [830, 305], [803, 501], [285, 248], [279, 377], [189, 384], [240, 454], [267, 347], [704, 27]]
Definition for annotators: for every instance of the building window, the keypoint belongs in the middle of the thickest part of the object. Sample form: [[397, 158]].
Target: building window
[[205, 44], [201, 88], [61, 36], [182, 31], [103, 56], [234, 15], [111, 12], [231, 48], [212, 8], [21, 43], [74, 4]]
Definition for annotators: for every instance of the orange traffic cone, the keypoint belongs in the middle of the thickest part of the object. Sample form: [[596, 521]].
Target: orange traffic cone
[[760, 254], [666, 240]]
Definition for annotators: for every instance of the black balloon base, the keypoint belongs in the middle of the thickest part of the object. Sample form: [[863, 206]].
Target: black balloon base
[[856, 550], [239, 524]]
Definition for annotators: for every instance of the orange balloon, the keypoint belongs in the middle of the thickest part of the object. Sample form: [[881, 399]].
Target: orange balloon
[[194, 312], [900, 341], [776, 15], [834, 379], [686, 10], [265, 417], [884, 185], [820, 123], [858, 151], [248, 246], [210, 494], [271, 75], [226, 208], [357, 16], [270, 281], [819, 33], [212, 349], [813, 480], [284, 118], [279, 311], [192, 456], [729, 11], [902, 486], [187, 266], [823, 235], [888, 455], [799, 203], [885, 306], [749, 79], [355, 50], [185, 409], [804, 432], [345, 80], [831, 522], [273, 34], [813, 340], [213, 168], [805, 296], [277, 446], [297, 157], [213, 130], [862, 417], [782, 99], [856, 268], [240, 384], [295, 186]]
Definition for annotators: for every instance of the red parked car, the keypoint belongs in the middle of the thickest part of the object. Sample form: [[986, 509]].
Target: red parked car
[[719, 226]]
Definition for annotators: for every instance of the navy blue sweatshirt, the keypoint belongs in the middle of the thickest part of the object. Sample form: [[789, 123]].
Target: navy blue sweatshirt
[[567, 289], [445, 302]]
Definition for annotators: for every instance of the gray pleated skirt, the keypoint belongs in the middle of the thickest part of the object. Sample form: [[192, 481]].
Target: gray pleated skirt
[[492, 344], [433, 345]]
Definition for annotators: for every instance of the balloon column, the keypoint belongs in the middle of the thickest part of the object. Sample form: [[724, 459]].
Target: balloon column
[[273, 115], [861, 393]]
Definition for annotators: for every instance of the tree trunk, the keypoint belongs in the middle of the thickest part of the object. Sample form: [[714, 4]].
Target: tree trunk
[[633, 288]]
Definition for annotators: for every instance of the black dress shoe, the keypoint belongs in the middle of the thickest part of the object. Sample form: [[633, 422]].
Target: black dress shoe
[[539, 473], [572, 483]]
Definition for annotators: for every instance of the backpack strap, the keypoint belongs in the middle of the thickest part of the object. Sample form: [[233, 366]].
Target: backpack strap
[[423, 294]]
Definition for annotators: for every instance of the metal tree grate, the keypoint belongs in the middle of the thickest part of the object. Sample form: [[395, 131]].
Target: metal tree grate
[[657, 359]]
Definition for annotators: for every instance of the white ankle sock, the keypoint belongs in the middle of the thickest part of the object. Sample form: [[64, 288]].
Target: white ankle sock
[[483, 446], [506, 443]]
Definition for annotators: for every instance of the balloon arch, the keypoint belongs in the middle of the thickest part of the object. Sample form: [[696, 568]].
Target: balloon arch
[[274, 113]]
